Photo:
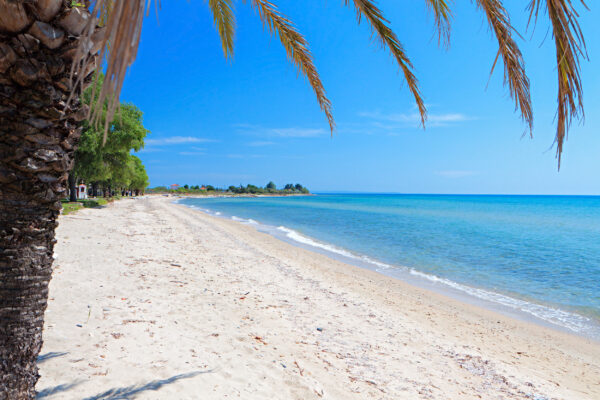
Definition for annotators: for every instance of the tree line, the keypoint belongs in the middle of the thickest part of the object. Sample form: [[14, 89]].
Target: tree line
[[269, 188], [105, 162]]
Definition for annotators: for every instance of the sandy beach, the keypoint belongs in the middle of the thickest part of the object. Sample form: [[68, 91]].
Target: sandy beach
[[153, 300]]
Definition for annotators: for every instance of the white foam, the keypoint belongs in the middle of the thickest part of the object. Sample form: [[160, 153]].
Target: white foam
[[298, 237], [378, 263], [574, 322], [243, 220]]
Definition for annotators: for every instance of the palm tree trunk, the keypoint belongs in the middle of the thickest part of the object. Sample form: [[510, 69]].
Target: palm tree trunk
[[38, 135], [27, 241], [72, 188]]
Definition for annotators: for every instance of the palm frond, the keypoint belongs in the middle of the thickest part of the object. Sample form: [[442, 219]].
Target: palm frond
[[297, 50], [443, 19], [570, 46], [385, 35], [122, 22], [514, 66], [224, 18]]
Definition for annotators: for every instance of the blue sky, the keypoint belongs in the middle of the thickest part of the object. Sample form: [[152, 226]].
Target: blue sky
[[251, 119]]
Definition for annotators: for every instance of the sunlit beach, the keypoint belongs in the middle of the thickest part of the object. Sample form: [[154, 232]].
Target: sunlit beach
[[367, 199]]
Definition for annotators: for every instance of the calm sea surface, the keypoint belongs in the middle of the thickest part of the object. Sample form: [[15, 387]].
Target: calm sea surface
[[536, 255]]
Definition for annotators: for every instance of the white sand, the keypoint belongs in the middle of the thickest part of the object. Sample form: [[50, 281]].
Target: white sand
[[175, 304]]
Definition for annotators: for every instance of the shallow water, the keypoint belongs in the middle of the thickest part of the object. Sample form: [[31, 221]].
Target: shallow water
[[538, 255]]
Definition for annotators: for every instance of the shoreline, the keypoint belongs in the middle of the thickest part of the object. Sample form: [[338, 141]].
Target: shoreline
[[509, 306], [153, 299], [208, 196]]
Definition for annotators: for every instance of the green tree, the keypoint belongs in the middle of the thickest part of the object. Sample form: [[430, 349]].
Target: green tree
[[253, 189], [41, 115], [126, 134], [107, 161], [139, 179], [89, 164], [271, 185]]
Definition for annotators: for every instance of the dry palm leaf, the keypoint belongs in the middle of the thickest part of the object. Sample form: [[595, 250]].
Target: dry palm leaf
[[122, 21], [514, 67], [570, 46], [385, 35], [443, 18], [297, 50], [225, 23]]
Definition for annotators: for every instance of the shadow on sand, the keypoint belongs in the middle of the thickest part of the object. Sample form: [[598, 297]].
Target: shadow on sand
[[131, 392], [59, 388], [48, 356], [124, 393], [56, 389]]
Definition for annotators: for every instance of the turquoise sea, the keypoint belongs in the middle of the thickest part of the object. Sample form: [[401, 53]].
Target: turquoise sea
[[535, 257]]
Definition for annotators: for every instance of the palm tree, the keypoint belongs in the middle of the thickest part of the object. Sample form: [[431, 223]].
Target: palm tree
[[48, 51]]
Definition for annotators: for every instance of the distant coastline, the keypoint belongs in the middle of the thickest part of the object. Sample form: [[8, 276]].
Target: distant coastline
[[225, 195], [270, 189]]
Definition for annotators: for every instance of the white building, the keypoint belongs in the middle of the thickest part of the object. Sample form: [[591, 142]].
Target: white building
[[82, 192]]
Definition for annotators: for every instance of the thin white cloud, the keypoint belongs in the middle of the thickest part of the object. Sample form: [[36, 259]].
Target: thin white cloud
[[456, 117], [413, 119], [260, 143], [298, 132], [177, 140], [192, 153], [454, 174], [292, 132], [150, 150]]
